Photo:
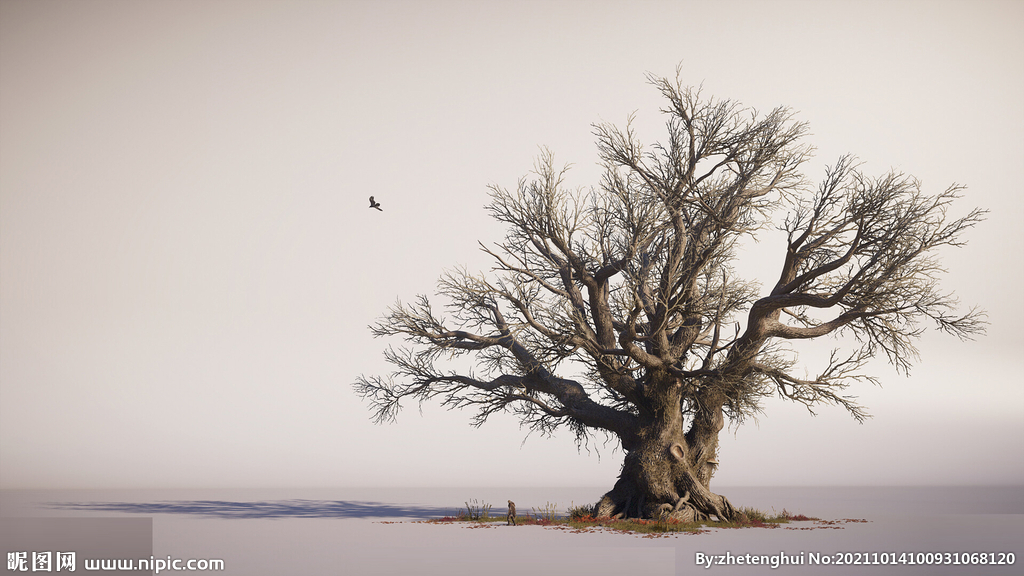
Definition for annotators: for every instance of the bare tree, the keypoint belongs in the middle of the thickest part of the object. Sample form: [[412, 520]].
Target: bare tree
[[616, 308]]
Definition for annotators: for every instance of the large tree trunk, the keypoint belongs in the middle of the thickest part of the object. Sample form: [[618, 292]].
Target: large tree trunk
[[668, 474]]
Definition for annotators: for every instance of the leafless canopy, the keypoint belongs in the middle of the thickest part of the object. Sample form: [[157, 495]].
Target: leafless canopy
[[602, 299]]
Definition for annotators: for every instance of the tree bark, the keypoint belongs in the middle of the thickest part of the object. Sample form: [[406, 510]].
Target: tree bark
[[668, 474]]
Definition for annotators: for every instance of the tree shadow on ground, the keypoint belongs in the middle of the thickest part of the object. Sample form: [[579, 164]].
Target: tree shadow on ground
[[261, 509]]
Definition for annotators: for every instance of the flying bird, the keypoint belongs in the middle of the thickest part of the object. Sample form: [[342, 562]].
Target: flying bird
[[375, 204]]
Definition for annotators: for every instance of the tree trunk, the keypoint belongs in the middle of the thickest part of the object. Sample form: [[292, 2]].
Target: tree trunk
[[668, 475]]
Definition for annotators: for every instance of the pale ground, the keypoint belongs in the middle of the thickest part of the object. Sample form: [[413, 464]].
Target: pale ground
[[353, 531]]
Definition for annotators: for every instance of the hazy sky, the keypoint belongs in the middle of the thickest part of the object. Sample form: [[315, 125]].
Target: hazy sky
[[188, 264]]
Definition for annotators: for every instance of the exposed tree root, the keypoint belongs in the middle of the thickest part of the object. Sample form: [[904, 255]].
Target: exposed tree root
[[625, 501]]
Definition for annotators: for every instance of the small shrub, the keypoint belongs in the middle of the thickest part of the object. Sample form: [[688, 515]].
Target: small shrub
[[582, 513], [753, 514], [794, 517], [549, 513], [478, 510]]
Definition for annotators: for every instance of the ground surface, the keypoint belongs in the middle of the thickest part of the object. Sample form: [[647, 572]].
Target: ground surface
[[354, 531]]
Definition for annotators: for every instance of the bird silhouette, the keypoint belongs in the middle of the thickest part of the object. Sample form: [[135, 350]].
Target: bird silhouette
[[375, 204]]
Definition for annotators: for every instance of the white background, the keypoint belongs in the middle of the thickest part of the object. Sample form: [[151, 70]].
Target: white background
[[188, 264]]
